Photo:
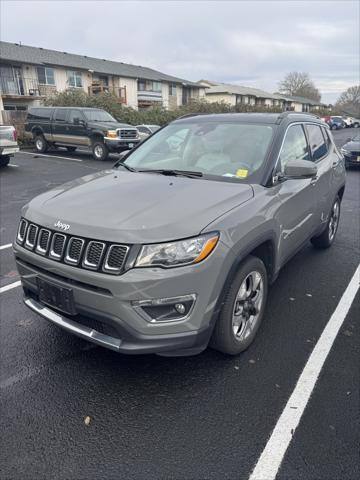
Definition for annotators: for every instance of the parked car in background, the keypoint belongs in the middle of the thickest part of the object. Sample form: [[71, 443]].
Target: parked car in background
[[8, 144], [351, 151], [175, 247], [146, 130], [336, 123], [74, 127], [348, 121], [356, 122]]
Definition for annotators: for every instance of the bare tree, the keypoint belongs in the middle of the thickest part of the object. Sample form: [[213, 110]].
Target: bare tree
[[349, 101], [300, 84]]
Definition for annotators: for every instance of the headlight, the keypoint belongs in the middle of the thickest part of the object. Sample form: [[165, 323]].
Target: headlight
[[111, 134], [176, 254]]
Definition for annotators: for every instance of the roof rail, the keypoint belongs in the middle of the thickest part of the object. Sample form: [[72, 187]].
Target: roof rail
[[287, 113], [196, 114]]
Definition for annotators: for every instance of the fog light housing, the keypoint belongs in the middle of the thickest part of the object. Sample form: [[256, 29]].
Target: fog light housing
[[161, 310]]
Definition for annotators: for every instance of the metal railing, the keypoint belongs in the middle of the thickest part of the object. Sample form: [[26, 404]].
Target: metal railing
[[19, 86], [98, 87]]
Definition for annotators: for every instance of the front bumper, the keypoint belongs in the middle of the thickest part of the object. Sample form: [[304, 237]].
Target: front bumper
[[117, 145], [105, 304], [353, 160]]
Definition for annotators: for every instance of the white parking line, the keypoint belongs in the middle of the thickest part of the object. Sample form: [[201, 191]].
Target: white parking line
[[275, 449], [10, 286], [8, 245], [51, 156]]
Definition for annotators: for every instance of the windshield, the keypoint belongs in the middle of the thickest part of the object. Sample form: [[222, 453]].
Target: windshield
[[233, 150], [153, 128], [98, 116]]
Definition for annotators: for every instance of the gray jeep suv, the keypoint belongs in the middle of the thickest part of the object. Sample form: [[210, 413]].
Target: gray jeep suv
[[175, 246]]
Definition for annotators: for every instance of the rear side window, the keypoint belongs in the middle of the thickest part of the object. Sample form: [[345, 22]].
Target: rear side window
[[295, 146], [40, 113], [317, 142], [60, 115]]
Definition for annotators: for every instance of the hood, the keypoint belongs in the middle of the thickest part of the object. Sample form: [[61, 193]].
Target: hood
[[129, 207], [109, 125], [353, 146]]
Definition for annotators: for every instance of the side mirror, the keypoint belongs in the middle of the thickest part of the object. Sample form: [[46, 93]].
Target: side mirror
[[78, 121], [300, 169]]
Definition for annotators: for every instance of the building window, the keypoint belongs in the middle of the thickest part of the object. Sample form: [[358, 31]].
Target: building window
[[141, 85], [172, 89], [149, 86], [18, 108], [74, 79], [46, 75]]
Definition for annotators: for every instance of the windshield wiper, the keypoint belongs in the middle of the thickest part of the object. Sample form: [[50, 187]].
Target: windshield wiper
[[174, 173], [121, 164]]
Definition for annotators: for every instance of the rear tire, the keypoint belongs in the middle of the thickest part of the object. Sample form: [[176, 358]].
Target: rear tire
[[326, 239], [4, 160], [71, 149], [100, 150], [243, 308], [41, 144]]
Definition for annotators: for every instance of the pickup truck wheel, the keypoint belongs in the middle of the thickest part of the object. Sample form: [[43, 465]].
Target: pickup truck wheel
[[4, 160], [100, 150], [71, 149], [243, 308], [41, 144], [326, 239]]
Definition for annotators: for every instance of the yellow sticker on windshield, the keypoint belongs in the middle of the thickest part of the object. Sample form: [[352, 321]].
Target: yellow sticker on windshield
[[242, 173]]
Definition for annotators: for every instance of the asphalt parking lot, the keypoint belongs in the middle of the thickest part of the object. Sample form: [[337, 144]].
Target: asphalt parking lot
[[150, 417]]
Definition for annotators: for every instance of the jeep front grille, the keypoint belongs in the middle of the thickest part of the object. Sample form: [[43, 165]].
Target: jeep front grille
[[74, 250], [31, 236], [43, 241], [78, 252]]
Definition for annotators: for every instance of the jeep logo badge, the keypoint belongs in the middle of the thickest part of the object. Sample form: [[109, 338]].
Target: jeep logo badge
[[62, 226]]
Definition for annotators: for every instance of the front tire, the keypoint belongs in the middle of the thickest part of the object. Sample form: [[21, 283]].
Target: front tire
[[41, 144], [4, 160], [100, 151], [243, 308], [326, 239]]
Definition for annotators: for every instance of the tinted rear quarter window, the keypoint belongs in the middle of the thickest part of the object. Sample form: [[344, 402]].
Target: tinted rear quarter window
[[317, 142], [40, 113]]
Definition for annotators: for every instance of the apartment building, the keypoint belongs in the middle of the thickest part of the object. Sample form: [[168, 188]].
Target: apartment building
[[238, 94], [28, 75]]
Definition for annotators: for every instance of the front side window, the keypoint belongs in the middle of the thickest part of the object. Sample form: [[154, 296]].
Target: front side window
[[317, 143], [73, 115], [46, 75], [218, 150], [74, 79], [295, 146], [98, 116], [60, 115]]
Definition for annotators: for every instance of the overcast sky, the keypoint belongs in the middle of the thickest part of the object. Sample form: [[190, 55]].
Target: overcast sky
[[245, 42]]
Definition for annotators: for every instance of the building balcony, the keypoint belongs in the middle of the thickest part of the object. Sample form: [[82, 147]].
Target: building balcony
[[148, 98], [97, 88], [14, 87]]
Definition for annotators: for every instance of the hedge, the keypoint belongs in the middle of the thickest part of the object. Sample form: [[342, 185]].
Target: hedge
[[151, 116]]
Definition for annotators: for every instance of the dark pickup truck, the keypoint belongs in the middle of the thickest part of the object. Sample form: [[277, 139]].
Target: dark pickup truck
[[73, 127]]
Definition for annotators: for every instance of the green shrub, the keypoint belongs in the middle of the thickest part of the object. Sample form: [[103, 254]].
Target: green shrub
[[153, 115]]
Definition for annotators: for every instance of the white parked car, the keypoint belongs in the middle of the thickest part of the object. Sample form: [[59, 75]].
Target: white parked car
[[146, 130], [348, 121], [8, 144]]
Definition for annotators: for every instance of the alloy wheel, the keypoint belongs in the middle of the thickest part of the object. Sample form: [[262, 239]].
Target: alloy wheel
[[247, 306]]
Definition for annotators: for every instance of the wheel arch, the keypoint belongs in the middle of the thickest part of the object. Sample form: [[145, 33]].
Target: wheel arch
[[263, 248]]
